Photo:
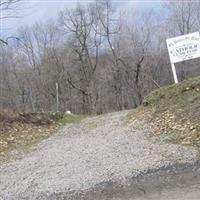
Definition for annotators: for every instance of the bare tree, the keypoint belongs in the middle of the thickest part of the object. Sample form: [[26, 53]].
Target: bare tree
[[183, 15], [81, 25], [103, 60], [8, 9]]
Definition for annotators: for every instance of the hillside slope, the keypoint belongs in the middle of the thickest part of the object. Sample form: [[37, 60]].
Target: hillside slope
[[174, 112]]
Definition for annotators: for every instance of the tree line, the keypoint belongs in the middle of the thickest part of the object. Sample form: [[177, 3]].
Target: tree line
[[102, 59]]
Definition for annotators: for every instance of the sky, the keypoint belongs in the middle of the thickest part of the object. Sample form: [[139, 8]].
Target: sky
[[41, 10]]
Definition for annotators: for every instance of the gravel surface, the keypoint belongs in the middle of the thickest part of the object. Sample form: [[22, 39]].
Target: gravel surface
[[98, 150]]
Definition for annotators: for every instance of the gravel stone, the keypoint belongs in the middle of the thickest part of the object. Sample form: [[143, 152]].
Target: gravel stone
[[99, 149]]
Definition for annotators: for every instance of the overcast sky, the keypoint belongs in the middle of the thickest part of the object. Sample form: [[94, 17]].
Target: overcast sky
[[42, 10]]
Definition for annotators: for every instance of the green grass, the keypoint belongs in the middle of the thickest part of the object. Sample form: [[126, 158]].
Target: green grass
[[71, 118], [184, 93], [181, 99], [175, 112]]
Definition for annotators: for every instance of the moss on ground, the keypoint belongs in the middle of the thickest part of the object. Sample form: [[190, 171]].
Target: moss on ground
[[174, 111]]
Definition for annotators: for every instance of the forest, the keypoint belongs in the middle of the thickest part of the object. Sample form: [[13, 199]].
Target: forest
[[101, 58]]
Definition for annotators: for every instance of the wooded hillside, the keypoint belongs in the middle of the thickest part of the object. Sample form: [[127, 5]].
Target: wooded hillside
[[102, 58]]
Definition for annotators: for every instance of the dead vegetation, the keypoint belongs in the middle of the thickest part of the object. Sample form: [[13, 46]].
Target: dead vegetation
[[174, 112], [21, 130]]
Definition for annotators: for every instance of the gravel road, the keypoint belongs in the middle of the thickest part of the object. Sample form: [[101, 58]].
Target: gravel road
[[100, 152]]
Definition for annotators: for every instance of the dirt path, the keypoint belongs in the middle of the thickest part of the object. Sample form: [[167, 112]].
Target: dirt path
[[96, 153]]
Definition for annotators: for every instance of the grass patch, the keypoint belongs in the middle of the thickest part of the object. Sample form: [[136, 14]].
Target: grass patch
[[71, 118], [23, 130], [175, 112]]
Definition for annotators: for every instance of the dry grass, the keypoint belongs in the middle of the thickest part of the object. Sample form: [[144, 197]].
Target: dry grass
[[174, 112], [22, 130]]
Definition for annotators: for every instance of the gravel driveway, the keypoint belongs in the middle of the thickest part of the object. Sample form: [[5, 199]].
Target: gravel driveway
[[97, 152]]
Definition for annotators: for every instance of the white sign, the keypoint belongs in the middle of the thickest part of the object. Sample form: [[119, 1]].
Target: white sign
[[184, 47]]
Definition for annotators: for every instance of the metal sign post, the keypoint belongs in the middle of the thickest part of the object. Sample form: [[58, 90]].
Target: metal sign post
[[57, 98], [174, 73], [183, 48]]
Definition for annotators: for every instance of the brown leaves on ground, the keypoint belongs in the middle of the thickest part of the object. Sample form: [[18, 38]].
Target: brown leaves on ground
[[182, 130], [20, 134], [174, 112], [25, 129]]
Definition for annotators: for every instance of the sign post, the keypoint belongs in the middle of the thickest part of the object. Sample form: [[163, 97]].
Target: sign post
[[57, 98], [183, 48], [174, 73]]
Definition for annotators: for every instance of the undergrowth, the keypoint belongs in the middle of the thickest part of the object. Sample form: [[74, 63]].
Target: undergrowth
[[174, 112], [22, 130]]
